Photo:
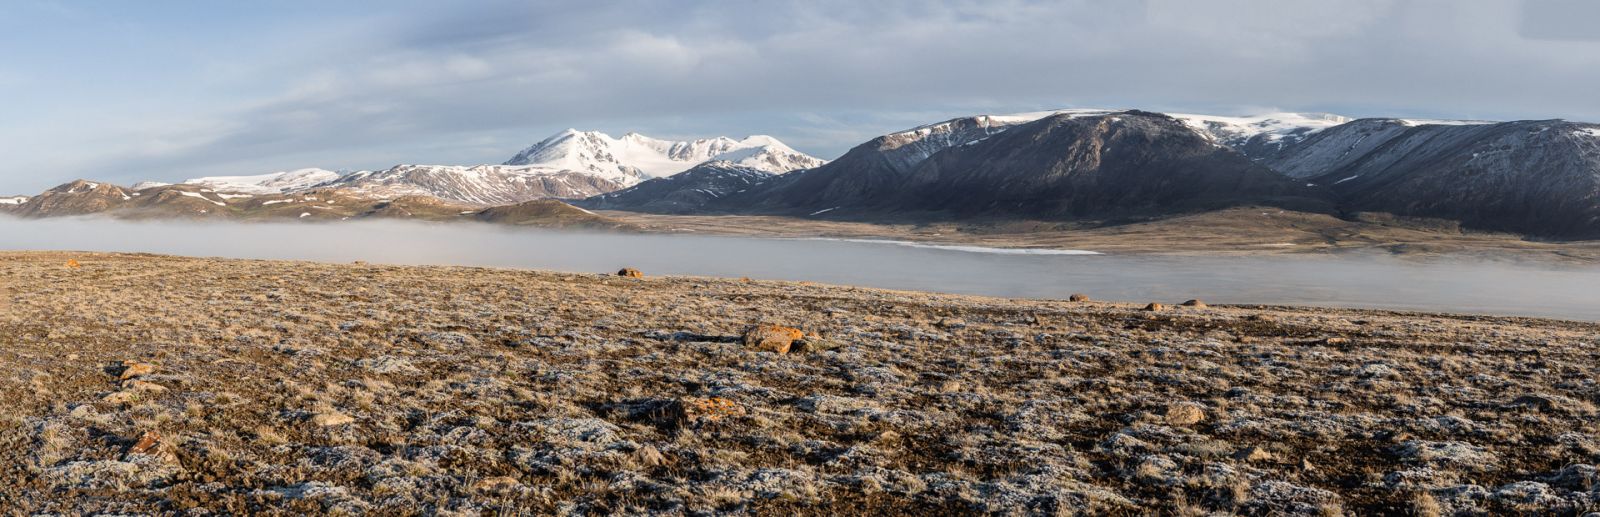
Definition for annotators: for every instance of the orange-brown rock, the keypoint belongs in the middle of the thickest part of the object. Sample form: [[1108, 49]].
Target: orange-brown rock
[[629, 272], [147, 443], [694, 410], [1078, 297], [131, 369], [1154, 307], [772, 338], [73, 264]]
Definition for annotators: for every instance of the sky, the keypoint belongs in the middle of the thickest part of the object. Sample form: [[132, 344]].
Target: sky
[[165, 90]]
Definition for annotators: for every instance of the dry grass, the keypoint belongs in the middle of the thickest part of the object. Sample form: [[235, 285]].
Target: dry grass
[[298, 387]]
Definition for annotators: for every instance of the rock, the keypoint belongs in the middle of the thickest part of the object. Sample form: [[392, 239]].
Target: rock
[[147, 443], [1078, 297], [120, 397], [131, 369], [1154, 306], [1185, 413], [772, 338], [1534, 402], [629, 272], [1336, 340], [1196, 304], [144, 386], [952, 323], [691, 411], [73, 264], [331, 418], [1256, 455], [649, 456]]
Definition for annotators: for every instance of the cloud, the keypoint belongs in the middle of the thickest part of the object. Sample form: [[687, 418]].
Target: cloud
[[467, 83]]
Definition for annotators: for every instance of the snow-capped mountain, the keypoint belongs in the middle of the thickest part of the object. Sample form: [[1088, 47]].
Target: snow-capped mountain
[[635, 157], [273, 183]]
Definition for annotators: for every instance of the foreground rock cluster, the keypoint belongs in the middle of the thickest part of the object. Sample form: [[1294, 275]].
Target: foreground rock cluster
[[145, 384]]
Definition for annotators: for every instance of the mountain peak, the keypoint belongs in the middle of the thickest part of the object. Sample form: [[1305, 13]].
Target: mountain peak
[[635, 157]]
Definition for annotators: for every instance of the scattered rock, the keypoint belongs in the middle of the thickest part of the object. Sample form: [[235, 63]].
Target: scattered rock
[[772, 338], [331, 418], [952, 323], [1078, 297], [1336, 340], [73, 264], [1195, 304], [131, 369], [1185, 413], [629, 272], [1153, 307]]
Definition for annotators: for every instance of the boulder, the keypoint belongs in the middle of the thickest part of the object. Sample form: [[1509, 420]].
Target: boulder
[[1078, 297], [1185, 413], [772, 338], [331, 419], [131, 369], [1154, 306], [629, 272], [1195, 303]]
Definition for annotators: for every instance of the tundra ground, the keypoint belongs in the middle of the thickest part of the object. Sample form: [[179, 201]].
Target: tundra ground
[[154, 384]]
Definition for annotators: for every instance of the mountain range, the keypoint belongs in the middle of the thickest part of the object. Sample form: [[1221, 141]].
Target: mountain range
[[1538, 178]]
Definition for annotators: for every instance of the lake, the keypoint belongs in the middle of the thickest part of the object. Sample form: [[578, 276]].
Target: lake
[[1344, 280]]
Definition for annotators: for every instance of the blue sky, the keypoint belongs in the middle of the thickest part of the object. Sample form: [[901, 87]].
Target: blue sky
[[164, 90]]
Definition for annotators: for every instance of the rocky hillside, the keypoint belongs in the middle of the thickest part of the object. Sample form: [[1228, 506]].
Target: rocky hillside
[[1064, 166], [681, 193], [188, 201], [481, 185], [1533, 177], [1117, 165], [868, 171], [549, 213]]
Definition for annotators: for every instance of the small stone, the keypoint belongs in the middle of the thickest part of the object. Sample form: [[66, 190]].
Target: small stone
[[1256, 455], [694, 411], [1336, 341], [131, 369], [649, 456], [73, 264], [120, 397], [952, 323], [1195, 304], [1078, 297], [1153, 307], [1185, 413], [772, 338], [331, 418], [144, 386], [147, 443], [629, 272]]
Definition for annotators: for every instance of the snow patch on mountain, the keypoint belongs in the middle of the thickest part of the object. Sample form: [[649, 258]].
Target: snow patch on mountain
[[14, 200], [1273, 128], [273, 183], [635, 157], [478, 184]]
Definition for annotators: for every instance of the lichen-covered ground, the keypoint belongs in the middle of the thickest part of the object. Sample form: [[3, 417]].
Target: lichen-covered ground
[[148, 384]]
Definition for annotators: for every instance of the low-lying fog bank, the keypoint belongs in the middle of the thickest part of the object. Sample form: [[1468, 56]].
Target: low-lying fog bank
[[1471, 286]]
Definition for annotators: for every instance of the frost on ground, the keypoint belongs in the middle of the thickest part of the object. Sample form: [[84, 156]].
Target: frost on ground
[[145, 384]]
